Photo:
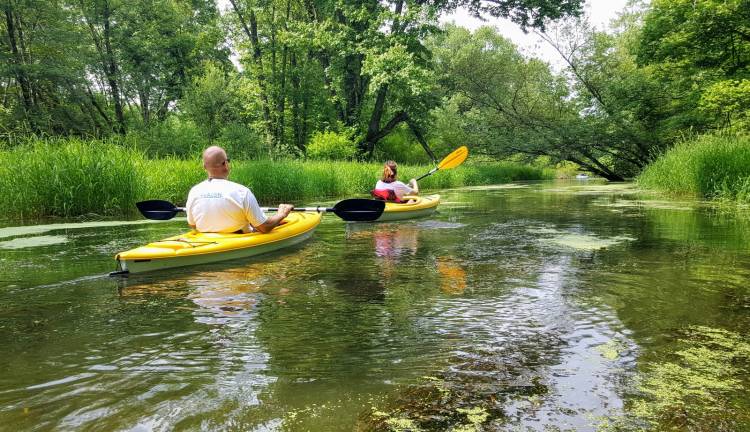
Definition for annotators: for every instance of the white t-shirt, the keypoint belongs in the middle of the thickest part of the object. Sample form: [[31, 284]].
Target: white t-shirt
[[399, 188], [223, 206]]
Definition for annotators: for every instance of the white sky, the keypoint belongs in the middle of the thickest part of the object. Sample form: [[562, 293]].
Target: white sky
[[600, 13]]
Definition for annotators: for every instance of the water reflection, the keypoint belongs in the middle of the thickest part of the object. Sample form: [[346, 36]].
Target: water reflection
[[481, 310]]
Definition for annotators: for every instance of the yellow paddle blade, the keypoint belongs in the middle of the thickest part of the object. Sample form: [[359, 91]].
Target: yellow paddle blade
[[456, 158]]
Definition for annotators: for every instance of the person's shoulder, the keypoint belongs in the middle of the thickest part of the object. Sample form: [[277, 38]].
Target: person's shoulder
[[198, 186], [230, 185]]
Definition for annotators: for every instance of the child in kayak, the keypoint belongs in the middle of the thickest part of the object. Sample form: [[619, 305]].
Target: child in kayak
[[390, 189]]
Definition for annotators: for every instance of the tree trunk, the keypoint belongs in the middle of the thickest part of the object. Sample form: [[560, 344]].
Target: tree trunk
[[374, 132], [18, 62], [296, 90], [252, 33], [112, 70]]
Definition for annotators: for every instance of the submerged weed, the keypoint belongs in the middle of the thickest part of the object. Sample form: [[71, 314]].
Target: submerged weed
[[700, 387]]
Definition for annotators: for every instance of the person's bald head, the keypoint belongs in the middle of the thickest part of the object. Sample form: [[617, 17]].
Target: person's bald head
[[216, 162]]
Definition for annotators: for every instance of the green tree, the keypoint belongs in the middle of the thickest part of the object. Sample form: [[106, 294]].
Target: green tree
[[212, 102], [701, 48]]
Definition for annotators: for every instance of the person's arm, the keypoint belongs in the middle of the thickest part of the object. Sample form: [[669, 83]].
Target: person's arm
[[188, 206], [273, 221], [414, 186]]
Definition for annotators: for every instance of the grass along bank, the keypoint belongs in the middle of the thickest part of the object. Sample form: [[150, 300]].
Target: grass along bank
[[709, 166], [71, 177]]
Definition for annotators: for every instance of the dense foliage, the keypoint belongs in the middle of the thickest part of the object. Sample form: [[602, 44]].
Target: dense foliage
[[95, 68], [383, 76]]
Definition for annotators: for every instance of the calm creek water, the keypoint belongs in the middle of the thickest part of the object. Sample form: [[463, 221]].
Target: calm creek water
[[542, 306]]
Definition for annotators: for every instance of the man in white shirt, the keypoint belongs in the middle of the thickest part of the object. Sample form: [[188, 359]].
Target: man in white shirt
[[219, 205]]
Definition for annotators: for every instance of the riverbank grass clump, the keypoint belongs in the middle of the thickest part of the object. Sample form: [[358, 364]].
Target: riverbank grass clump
[[68, 178], [710, 166], [72, 177]]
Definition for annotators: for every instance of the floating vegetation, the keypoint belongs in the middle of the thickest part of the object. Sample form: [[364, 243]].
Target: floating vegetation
[[28, 242], [701, 387], [495, 187], [40, 229], [594, 189], [433, 224], [649, 204], [435, 404], [470, 396], [611, 350], [585, 242]]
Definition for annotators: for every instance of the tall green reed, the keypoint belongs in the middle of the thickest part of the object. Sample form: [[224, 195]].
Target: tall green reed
[[71, 177], [713, 166], [68, 177]]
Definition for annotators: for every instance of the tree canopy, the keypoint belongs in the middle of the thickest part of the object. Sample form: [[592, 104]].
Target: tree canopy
[[265, 77]]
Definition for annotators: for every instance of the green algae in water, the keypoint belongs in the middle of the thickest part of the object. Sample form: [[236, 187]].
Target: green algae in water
[[647, 204], [28, 242], [584, 242], [587, 242], [40, 229], [594, 189], [476, 417], [610, 350], [495, 187], [701, 386]]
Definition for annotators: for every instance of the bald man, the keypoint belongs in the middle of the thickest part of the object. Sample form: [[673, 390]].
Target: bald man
[[219, 205]]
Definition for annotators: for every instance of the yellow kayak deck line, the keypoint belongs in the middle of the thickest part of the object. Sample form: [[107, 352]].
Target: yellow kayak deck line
[[413, 207], [198, 248]]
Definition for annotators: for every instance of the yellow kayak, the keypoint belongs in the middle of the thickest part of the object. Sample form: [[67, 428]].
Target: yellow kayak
[[200, 248], [413, 207]]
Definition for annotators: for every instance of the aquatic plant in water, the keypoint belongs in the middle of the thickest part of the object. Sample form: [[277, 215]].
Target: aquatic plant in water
[[700, 387]]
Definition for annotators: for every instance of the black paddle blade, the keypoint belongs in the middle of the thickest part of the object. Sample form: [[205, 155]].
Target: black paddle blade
[[359, 210], [157, 209]]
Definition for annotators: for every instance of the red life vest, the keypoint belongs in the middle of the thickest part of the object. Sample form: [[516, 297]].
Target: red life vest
[[385, 195]]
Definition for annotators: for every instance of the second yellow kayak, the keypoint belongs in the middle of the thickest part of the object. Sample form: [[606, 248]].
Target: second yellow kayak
[[413, 207]]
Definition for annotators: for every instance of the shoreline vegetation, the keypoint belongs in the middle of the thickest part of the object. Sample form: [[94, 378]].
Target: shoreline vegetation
[[715, 167], [73, 177]]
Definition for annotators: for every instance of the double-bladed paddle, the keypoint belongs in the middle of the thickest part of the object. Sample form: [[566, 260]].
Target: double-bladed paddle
[[355, 209], [456, 158]]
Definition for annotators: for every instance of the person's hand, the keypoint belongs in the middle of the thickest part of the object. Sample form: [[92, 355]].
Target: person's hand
[[413, 181], [285, 209]]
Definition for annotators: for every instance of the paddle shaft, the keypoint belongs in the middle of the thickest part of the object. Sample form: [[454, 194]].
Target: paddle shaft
[[270, 209], [303, 209], [432, 171], [454, 159]]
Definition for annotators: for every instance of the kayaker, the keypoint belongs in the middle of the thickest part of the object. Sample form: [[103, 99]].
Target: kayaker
[[390, 189], [221, 206]]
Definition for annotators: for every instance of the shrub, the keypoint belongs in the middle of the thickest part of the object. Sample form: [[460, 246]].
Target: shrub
[[241, 142], [172, 137], [331, 146]]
